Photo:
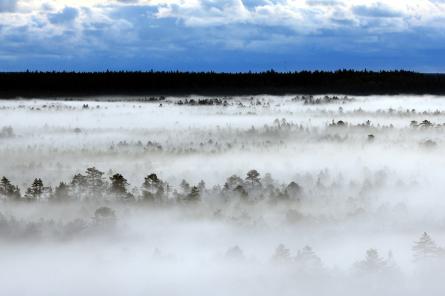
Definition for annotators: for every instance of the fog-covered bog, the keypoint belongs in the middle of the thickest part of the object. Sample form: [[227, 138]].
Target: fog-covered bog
[[264, 195]]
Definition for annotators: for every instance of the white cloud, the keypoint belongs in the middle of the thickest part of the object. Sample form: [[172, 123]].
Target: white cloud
[[302, 16], [308, 16]]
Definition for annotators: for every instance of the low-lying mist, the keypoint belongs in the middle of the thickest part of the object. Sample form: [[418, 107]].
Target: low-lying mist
[[289, 195]]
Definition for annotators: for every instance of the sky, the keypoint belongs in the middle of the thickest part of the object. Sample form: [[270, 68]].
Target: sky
[[222, 36]]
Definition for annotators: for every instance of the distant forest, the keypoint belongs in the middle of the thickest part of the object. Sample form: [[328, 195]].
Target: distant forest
[[57, 84]]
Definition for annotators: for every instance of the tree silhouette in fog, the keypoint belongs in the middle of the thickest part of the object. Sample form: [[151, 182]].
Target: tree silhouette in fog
[[307, 259], [8, 190], [36, 190], [62, 192], [426, 248], [94, 180], [253, 178], [118, 187], [372, 262], [194, 194], [153, 188], [282, 254]]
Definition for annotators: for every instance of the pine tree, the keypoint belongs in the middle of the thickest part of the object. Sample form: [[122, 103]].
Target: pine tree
[[153, 188], [372, 263], [118, 184], [185, 186], [79, 181], [9, 190], [95, 181], [152, 183], [253, 177], [232, 182], [79, 185], [202, 186], [293, 190], [62, 192], [282, 254], [307, 259], [5, 186], [194, 195], [36, 190], [425, 248]]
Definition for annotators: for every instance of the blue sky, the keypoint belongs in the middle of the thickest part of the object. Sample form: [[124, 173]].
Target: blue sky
[[231, 35]]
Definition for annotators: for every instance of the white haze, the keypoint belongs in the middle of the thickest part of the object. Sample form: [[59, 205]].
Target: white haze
[[358, 194]]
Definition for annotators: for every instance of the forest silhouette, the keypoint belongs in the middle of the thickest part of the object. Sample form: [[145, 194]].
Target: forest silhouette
[[54, 84]]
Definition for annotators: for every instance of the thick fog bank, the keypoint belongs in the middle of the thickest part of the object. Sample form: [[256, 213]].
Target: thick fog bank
[[289, 195]]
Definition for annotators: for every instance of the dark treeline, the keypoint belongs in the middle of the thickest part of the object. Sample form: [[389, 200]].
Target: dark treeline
[[53, 84], [94, 186]]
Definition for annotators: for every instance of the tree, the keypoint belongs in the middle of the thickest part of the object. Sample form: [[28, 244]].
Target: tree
[[7, 132], [62, 192], [426, 123], [372, 263], [202, 186], [293, 190], [95, 181], [307, 258], [151, 182], [233, 182], [194, 195], [253, 177], [79, 185], [241, 192], [9, 190], [185, 186], [268, 180], [79, 181], [426, 248], [36, 190], [118, 184], [104, 216], [153, 188], [282, 254]]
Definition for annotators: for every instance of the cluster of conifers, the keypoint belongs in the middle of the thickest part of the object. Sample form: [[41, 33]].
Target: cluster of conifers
[[94, 185]]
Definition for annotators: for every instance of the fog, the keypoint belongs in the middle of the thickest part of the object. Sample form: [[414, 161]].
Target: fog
[[264, 195]]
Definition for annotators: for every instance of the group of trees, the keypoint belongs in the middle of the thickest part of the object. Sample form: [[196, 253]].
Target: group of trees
[[425, 251], [93, 185], [305, 257], [313, 100]]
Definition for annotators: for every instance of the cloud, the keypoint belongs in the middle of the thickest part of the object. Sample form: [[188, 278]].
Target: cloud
[[305, 16], [67, 15], [8, 5], [377, 10], [207, 12]]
